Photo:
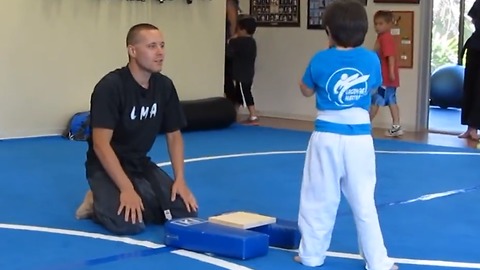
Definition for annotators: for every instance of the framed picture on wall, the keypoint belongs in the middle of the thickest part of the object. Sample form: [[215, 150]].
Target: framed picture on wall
[[276, 13], [398, 1], [316, 8]]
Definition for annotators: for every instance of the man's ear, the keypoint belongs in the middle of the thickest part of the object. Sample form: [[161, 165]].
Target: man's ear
[[131, 50]]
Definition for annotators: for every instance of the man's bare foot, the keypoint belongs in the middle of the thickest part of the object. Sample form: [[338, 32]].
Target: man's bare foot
[[297, 259], [474, 135], [85, 210], [464, 135], [394, 267], [471, 133]]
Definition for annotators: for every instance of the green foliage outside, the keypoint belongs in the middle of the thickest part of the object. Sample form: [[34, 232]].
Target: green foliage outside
[[445, 31]]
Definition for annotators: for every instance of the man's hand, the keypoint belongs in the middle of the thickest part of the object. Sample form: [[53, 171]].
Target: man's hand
[[132, 203], [180, 187]]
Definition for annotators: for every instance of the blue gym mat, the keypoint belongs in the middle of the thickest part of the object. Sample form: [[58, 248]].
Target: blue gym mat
[[427, 199]]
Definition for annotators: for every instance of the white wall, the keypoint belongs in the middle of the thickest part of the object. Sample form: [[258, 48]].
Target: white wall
[[283, 54], [54, 51]]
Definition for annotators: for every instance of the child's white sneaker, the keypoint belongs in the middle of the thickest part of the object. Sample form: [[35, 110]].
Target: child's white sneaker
[[394, 131]]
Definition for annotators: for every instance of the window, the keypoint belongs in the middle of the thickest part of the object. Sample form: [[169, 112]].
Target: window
[[445, 31], [468, 27]]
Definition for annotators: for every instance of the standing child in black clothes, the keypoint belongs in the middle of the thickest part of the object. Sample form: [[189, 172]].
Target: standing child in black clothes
[[242, 50]]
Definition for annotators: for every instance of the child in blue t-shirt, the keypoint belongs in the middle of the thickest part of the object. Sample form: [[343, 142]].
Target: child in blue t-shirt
[[340, 155]]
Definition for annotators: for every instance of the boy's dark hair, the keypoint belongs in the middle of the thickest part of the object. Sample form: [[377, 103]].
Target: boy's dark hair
[[247, 23], [387, 15], [346, 22], [134, 30]]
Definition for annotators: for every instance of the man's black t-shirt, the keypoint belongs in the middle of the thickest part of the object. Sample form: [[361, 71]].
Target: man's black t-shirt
[[243, 52], [135, 114]]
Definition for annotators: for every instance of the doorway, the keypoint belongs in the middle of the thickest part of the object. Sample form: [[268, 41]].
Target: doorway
[[451, 26]]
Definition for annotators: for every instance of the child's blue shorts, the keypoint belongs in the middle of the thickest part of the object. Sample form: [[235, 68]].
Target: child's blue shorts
[[384, 96]]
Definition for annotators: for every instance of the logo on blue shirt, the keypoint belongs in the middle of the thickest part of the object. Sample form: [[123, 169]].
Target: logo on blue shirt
[[346, 86]]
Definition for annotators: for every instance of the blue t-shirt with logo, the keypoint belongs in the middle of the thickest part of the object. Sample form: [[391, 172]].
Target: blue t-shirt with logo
[[343, 79]]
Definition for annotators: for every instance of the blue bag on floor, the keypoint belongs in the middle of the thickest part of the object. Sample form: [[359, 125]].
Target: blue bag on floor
[[283, 233], [78, 128], [199, 235]]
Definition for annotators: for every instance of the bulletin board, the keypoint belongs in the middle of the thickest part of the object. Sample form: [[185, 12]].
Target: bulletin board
[[276, 13], [403, 31]]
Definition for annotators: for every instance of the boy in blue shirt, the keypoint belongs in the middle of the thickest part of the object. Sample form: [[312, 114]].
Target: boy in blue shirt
[[340, 155]]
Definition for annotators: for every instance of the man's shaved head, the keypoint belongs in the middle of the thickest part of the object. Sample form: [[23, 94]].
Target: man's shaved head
[[146, 47], [133, 33]]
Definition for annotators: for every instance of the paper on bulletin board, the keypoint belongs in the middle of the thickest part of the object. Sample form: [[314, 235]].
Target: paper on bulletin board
[[395, 31], [402, 32]]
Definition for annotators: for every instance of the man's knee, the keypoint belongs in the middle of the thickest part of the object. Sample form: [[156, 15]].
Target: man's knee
[[128, 228]]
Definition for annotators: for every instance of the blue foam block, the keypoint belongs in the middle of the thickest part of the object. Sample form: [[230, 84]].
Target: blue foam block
[[283, 233], [199, 235]]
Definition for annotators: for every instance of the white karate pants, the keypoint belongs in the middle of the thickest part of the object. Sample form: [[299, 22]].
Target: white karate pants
[[336, 163]]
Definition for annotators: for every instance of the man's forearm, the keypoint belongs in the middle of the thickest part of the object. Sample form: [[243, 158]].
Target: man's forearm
[[175, 150], [232, 17], [112, 166]]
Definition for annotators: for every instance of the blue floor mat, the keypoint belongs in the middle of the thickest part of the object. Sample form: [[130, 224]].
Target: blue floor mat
[[43, 183]]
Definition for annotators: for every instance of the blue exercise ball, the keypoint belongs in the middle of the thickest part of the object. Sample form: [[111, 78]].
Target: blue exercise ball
[[446, 86]]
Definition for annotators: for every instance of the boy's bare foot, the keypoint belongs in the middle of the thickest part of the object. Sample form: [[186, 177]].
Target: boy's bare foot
[[85, 210], [394, 267]]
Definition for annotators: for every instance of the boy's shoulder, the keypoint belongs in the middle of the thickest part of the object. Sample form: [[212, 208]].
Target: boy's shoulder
[[385, 36], [321, 55], [332, 53], [251, 38], [366, 52]]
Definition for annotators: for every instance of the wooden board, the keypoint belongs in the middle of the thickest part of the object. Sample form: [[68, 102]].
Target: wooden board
[[403, 32], [242, 220]]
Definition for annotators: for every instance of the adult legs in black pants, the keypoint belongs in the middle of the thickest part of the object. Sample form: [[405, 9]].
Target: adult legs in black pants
[[471, 95], [229, 85], [153, 186]]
